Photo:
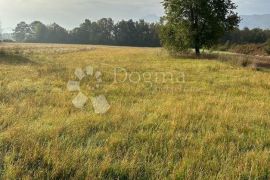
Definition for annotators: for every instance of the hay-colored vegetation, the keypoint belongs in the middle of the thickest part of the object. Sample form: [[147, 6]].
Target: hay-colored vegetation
[[215, 125]]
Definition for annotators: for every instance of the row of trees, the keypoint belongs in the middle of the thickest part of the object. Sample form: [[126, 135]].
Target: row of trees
[[103, 31], [246, 36], [130, 33]]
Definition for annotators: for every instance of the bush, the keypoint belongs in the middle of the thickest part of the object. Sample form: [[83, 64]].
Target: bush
[[249, 49], [267, 47], [8, 40]]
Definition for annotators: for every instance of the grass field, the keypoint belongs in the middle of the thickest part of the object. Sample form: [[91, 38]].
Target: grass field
[[213, 124]]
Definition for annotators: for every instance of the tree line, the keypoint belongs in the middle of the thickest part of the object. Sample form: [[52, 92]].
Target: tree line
[[246, 36], [123, 33], [103, 31]]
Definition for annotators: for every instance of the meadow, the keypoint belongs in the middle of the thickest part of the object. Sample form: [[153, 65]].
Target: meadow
[[211, 124]]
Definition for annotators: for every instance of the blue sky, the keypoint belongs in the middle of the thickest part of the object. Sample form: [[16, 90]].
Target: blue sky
[[70, 13]]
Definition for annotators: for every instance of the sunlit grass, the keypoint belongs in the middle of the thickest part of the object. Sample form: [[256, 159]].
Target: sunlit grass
[[214, 125]]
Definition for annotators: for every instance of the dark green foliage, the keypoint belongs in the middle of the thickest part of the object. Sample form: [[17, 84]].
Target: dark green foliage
[[57, 34], [22, 32], [174, 38], [103, 31], [197, 23], [246, 36], [267, 47], [38, 32]]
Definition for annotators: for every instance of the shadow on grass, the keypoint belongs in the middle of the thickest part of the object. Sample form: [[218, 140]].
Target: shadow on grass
[[14, 59]]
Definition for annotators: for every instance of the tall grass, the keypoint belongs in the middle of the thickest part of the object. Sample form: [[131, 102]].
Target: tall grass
[[215, 127]]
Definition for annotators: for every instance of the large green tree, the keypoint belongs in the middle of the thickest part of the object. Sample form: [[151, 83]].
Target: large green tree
[[22, 32], [39, 32], [106, 26], [125, 32], [197, 23], [57, 34]]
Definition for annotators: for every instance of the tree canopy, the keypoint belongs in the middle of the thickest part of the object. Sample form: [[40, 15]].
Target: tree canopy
[[103, 31], [197, 23], [246, 36], [127, 33]]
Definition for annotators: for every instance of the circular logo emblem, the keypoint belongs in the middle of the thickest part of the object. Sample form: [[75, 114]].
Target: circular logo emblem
[[99, 102]]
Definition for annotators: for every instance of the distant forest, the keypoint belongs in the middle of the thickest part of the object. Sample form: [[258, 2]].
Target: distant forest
[[123, 33], [103, 32], [246, 36]]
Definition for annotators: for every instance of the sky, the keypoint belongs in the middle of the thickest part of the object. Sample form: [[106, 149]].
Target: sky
[[70, 13]]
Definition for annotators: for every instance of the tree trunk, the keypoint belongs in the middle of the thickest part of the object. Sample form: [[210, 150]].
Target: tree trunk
[[197, 45], [197, 50]]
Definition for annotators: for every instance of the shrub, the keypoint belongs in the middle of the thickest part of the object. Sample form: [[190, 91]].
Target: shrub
[[8, 40], [249, 49], [267, 47]]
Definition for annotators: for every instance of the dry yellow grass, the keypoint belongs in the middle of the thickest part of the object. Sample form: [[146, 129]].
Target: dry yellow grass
[[215, 125]]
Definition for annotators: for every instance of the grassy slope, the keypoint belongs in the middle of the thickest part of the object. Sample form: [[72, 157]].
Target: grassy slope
[[217, 126]]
